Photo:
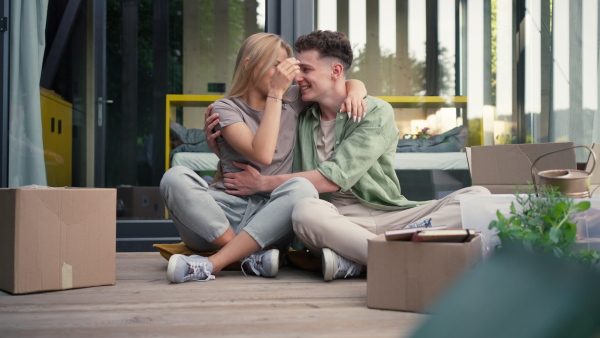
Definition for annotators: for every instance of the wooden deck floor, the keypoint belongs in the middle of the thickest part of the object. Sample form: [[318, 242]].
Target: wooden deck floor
[[296, 303]]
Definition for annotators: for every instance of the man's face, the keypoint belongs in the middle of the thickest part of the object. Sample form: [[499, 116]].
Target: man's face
[[314, 78]]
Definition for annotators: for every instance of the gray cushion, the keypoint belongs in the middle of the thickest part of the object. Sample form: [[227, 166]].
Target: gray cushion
[[193, 139], [450, 141]]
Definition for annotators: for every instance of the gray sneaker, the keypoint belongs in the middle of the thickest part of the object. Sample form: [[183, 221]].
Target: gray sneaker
[[336, 266], [263, 263], [183, 268]]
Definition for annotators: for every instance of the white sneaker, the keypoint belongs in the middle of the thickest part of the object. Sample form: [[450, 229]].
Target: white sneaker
[[183, 268], [263, 263], [336, 266]]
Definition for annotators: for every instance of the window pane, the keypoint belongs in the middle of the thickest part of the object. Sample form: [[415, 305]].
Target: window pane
[[502, 65], [389, 40], [204, 37], [533, 70], [447, 47], [561, 97]]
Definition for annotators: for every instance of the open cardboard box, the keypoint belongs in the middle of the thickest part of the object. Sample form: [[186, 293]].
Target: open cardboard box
[[502, 168], [409, 276], [56, 238]]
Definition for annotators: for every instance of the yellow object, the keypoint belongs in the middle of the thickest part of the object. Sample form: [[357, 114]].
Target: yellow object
[[167, 250], [57, 130], [425, 101], [180, 100], [67, 276]]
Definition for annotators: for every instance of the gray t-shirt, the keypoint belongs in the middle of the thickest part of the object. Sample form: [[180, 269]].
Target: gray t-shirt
[[325, 146], [234, 110]]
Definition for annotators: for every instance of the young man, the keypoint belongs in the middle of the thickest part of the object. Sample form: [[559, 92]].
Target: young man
[[352, 159]]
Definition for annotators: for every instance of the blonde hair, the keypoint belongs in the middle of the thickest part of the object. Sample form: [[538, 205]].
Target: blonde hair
[[262, 50]]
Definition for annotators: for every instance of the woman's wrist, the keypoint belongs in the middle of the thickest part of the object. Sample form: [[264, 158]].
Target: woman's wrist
[[278, 99], [276, 93]]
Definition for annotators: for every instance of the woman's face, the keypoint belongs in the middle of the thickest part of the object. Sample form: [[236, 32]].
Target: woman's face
[[265, 83]]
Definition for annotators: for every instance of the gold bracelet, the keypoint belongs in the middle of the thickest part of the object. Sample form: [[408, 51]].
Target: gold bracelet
[[276, 98]]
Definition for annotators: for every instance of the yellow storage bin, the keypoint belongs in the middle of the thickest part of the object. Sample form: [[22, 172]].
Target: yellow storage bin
[[57, 129]]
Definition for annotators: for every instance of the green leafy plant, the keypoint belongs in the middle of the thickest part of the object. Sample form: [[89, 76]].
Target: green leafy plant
[[544, 223]]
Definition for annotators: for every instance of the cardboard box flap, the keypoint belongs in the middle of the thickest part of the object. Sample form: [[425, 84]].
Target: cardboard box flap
[[408, 276], [38, 238], [511, 164]]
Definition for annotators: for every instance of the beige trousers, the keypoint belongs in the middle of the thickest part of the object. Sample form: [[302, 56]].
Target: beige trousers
[[345, 229]]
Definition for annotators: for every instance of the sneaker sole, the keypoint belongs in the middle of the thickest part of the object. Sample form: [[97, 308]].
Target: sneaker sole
[[328, 264], [171, 268], [274, 263]]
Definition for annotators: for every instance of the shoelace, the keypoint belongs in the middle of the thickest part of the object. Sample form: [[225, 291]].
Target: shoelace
[[200, 271], [252, 261], [351, 268]]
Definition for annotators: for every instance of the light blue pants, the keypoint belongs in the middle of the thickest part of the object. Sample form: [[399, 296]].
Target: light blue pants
[[196, 161], [202, 215]]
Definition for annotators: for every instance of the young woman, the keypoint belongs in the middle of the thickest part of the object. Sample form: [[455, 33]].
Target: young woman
[[257, 126]]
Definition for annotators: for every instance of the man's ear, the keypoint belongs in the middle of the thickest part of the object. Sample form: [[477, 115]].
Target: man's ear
[[337, 70]]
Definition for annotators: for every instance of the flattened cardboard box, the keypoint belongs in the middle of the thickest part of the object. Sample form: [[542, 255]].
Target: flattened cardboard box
[[501, 168], [56, 238], [409, 276]]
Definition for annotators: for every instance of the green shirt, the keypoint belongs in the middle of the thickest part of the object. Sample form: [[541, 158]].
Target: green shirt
[[363, 155]]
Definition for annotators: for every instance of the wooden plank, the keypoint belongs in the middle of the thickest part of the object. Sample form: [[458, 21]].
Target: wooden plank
[[142, 302]]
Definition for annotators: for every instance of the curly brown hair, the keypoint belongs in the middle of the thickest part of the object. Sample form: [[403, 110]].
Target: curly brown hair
[[329, 44]]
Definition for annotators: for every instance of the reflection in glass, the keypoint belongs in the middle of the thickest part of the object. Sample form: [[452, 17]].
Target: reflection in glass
[[389, 40], [502, 65], [203, 39]]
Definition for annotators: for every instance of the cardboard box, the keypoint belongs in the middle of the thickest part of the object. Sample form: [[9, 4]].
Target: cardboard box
[[56, 238], [501, 168], [140, 202], [409, 276]]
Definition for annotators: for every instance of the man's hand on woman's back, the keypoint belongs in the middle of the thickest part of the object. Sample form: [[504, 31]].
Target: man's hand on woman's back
[[209, 130]]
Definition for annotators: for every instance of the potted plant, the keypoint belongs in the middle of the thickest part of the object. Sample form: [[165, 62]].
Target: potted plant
[[544, 223]]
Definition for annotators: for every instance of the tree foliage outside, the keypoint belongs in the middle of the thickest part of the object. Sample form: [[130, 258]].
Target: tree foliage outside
[[387, 74]]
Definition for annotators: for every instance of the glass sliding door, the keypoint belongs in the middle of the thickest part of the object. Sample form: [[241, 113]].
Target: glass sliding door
[[156, 48], [405, 51], [53, 123], [4, 73], [503, 72], [574, 115]]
